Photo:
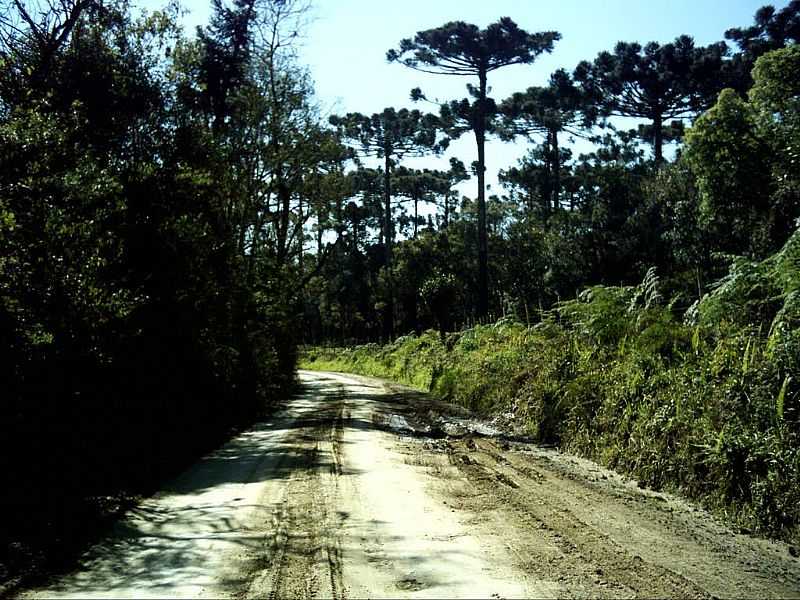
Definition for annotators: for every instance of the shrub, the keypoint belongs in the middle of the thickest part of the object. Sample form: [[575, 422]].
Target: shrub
[[705, 403]]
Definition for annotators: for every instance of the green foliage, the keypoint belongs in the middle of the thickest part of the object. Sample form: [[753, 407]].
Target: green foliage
[[145, 301], [409, 359], [603, 218], [763, 295], [745, 157], [776, 82], [654, 82], [729, 155], [710, 406], [776, 97]]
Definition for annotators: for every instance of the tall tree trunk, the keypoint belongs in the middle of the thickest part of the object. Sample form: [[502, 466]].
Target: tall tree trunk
[[546, 195], [387, 198], [658, 138], [284, 206], [483, 249], [416, 215], [301, 233], [556, 170]]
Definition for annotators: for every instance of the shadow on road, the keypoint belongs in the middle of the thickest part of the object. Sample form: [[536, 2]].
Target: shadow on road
[[166, 546]]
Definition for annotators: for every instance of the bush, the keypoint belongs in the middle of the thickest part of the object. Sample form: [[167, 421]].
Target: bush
[[704, 403]]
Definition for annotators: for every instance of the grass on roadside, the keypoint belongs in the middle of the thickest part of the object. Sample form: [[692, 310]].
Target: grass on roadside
[[706, 403]]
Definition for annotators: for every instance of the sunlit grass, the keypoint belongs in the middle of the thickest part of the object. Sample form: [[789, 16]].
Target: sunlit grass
[[704, 403]]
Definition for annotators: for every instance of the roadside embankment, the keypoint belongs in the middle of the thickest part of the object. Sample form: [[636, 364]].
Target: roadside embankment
[[705, 402]]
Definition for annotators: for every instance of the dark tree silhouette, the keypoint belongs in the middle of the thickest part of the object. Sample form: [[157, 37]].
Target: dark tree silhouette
[[459, 48], [226, 51], [549, 111], [38, 31], [391, 135], [421, 186], [772, 29], [654, 82]]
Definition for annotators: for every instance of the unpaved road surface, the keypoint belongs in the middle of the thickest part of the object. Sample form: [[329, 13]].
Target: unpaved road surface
[[344, 494]]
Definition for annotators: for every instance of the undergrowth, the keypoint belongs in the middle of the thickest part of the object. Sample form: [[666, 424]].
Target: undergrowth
[[704, 402]]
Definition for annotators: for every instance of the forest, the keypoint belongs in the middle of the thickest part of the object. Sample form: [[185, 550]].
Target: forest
[[179, 221]]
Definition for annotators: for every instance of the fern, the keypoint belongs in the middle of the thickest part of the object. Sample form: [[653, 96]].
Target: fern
[[786, 319]]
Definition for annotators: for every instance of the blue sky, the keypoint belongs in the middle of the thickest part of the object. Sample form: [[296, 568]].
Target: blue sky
[[346, 41]]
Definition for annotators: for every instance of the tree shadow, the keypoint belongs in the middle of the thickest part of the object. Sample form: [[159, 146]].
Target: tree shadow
[[169, 540], [147, 558]]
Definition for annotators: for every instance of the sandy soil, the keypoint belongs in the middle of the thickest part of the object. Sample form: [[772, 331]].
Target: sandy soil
[[362, 488]]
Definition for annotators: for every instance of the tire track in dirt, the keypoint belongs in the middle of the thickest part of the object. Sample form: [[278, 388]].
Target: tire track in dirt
[[304, 558], [342, 495], [329, 500], [592, 555], [395, 539], [595, 539]]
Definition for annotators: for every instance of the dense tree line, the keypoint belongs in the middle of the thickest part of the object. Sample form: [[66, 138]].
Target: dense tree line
[[648, 287], [154, 188], [690, 160], [176, 216]]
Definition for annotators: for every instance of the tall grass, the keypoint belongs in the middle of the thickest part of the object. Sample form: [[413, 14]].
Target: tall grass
[[704, 402]]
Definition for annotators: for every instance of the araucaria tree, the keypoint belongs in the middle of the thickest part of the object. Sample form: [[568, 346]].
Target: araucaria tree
[[391, 135], [561, 107], [459, 48], [421, 186], [654, 82]]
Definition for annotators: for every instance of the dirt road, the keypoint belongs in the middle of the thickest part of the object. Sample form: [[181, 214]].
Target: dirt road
[[350, 493]]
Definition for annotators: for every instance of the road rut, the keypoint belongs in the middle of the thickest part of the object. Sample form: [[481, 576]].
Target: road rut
[[338, 496]]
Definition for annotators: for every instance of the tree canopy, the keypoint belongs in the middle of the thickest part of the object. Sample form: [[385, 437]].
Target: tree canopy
[[653, 82], [548, 111], [463, 49], [391, 135], [177, 218]]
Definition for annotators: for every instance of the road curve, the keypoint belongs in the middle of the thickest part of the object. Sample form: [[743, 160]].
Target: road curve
[[334, 497]]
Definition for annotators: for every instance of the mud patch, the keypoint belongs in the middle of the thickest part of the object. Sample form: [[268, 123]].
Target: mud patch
[[411, 584]]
